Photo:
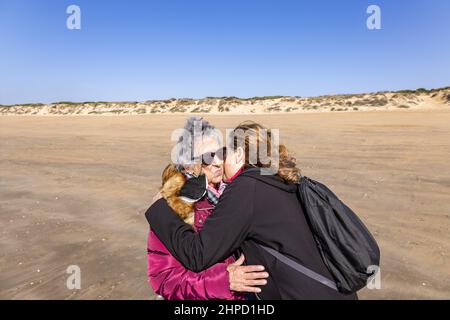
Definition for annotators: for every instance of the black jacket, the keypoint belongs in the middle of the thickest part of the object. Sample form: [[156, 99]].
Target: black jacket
[[253, 209]]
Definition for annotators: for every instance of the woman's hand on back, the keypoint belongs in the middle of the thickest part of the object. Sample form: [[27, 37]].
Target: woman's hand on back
[[246, 278]]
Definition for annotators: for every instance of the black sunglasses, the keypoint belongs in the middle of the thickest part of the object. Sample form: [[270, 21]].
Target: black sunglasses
[[208, 157]]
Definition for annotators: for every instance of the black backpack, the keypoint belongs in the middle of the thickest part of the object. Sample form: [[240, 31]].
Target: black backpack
[[347, 248], [349, 251]]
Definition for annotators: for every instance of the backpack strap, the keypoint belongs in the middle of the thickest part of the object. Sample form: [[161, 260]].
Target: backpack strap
[[302, 269]]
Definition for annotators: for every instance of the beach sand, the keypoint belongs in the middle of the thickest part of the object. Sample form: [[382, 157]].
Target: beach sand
[[73, 191]]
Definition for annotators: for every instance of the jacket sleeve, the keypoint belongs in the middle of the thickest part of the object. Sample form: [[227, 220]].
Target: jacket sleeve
[[174, 282], [221, 235]]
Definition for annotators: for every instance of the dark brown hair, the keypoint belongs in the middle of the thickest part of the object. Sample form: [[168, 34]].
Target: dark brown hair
[[251, 136]]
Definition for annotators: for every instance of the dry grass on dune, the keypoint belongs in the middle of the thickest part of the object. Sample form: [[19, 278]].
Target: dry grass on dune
[[397, 100]]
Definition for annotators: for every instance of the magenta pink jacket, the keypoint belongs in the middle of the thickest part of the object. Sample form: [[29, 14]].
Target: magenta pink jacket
[[172, 281]]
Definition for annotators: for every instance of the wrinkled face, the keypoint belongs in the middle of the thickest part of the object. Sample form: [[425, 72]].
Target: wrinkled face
[[234, 161], [214, 170]]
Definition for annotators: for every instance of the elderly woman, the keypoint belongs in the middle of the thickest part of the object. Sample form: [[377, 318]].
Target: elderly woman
[[191, 189]]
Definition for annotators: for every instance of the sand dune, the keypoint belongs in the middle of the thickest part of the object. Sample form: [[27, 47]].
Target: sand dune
[[405, 99], [73, 191]]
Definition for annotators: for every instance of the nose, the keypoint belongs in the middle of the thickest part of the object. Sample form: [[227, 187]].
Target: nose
[[217, 162]]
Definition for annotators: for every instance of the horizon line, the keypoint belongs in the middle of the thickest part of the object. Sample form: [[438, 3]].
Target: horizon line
[[417, 90]]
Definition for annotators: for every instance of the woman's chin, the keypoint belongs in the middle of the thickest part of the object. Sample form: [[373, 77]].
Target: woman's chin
[[217, 179]]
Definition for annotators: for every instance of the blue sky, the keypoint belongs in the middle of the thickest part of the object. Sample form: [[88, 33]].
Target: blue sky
[[156, 49]]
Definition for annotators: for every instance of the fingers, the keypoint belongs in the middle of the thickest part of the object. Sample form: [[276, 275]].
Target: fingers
[[252, 283], [249, 285], [240, 261], [248, 289], [247, 269], [255, 275], [247, 278]]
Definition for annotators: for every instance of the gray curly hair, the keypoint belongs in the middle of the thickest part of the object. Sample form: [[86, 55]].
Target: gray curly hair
[[195, 129]]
